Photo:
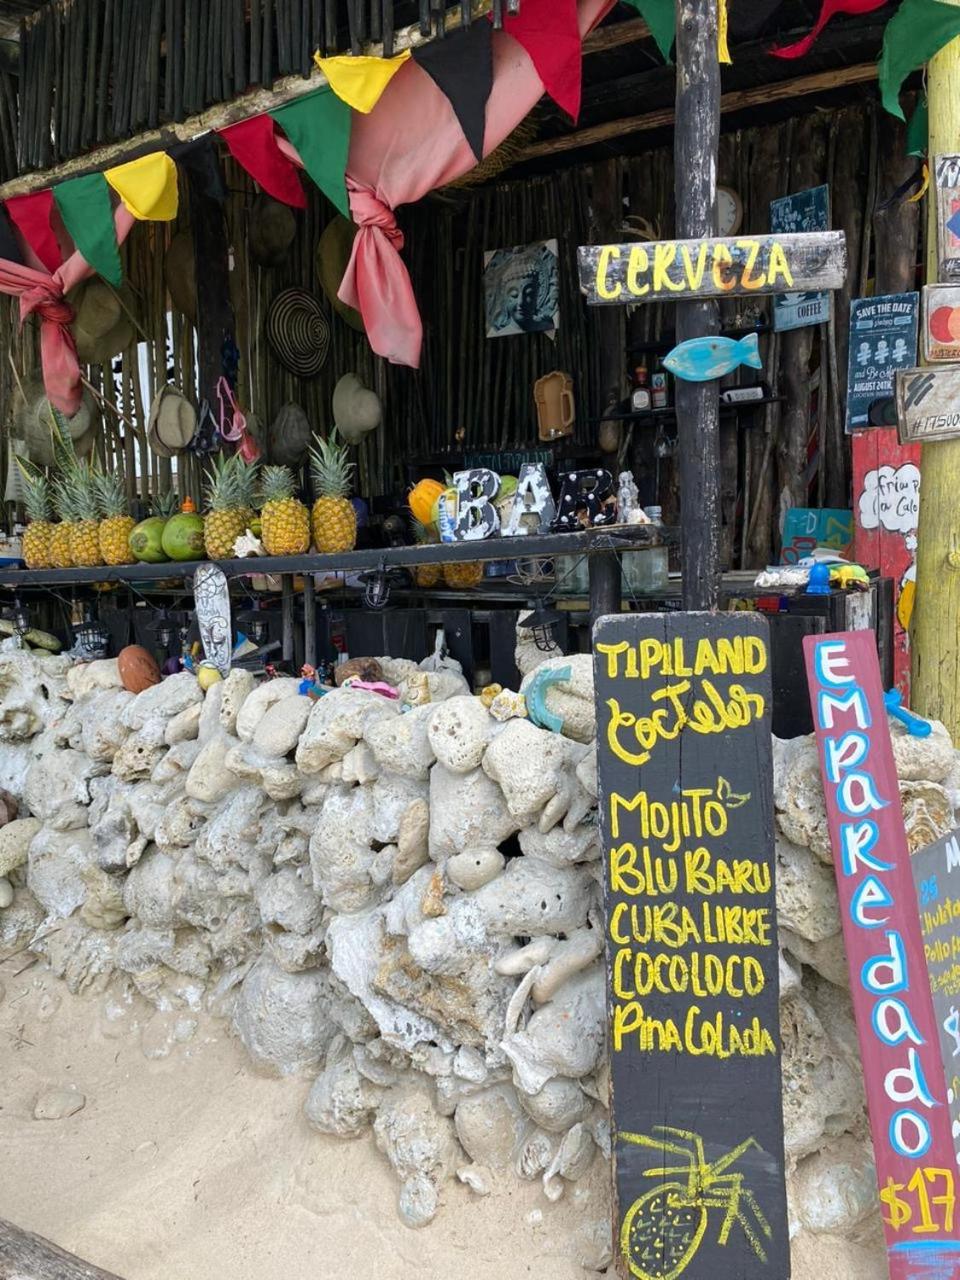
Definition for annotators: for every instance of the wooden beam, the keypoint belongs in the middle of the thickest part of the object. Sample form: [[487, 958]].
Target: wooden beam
[[25, 1256], [739, 100], [615, 36], [257, 102]]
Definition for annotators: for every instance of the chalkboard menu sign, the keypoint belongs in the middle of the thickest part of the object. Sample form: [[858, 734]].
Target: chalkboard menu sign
[[936, 873], [883, 339], [896, 1024], [686, 816]]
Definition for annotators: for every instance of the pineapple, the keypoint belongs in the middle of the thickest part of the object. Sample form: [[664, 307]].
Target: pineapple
[[334, 519], [85, 530], [230, 483], [117, 523], [37, 535], [64, 504], [165, 504], [285, 521], [425, 575]]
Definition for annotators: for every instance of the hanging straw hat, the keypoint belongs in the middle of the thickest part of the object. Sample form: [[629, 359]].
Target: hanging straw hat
[[356, 409], [273, 229], [180, 274], [289, 436], [333, 254], [172, 423], [298, 332], [104, 323], [33, 422]]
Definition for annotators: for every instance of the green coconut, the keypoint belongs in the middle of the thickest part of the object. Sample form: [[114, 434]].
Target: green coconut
[[183, 536], [146, 540]]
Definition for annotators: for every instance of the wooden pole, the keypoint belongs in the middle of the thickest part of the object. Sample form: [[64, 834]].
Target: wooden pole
[[935, 630], [696, 144], [25, 1256]]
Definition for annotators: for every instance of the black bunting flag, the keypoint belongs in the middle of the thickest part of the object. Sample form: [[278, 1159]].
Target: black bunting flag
[[9, 249], [462, 66], [200, 159]]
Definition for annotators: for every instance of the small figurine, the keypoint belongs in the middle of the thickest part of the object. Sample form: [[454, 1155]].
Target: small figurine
[[417, 689], [311, 685], [508, 705]]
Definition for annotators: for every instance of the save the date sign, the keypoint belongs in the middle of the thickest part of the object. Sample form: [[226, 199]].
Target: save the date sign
[[899, 1045]]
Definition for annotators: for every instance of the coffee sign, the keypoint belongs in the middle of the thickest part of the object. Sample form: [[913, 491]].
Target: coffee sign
[[676, 270], [686, 820], [899, 1046]]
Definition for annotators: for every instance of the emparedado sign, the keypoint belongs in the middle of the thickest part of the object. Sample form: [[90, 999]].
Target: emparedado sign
[[899, 1045]]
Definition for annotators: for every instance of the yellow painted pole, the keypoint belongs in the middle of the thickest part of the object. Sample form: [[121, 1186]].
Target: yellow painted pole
[[935, 630]]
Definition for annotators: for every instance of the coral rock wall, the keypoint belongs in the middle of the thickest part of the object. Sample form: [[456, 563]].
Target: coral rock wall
[[403, 906]]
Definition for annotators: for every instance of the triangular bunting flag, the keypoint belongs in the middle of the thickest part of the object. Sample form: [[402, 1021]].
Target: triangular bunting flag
[[462, 67], [660, 17], [828, 10], [550, 33], [360, 81], [723, 48], [318, 125], [9, 249], [918, 30], [87, 213], [201, 161], [147, 186], [253, 144], [31, 214], [918, 130]]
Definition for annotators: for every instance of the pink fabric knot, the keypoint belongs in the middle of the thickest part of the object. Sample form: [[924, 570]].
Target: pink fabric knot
[[370, 211], [48, 302]]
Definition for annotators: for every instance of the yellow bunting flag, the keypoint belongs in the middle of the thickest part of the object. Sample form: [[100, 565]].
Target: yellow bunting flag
[[924, 185], [360, 81], [723, 49], [147, 186]]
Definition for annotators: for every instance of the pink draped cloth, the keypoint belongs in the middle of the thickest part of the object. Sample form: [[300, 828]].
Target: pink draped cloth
[[42, 294], [408, 145]]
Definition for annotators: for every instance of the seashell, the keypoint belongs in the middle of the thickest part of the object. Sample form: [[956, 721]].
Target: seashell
[[927, 814], [137, 668]]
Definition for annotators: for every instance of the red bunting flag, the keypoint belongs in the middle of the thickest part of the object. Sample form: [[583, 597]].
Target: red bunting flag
[[31, 215], [253, 144], [829, 9], [550, 33]]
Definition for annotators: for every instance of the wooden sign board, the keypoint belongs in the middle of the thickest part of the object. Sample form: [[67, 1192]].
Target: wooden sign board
[[946, 171], [686, 820], [899, 1049], [936, 875], [802, 211], [737, 266], [941, 323], [928, 404], [883, 339]]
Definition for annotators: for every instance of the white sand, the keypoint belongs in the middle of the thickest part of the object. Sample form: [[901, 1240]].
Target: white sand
[[191, 1165]]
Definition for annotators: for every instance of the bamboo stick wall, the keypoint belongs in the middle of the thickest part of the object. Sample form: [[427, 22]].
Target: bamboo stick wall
[[474, 392]]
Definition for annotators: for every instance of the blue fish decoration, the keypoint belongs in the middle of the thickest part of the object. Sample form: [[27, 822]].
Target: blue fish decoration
[[702, 359]]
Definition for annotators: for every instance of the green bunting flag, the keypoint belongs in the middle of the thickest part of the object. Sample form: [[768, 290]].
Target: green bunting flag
[[918, 30], [918, 130], [87, 214], [660, 17], [318, 125]]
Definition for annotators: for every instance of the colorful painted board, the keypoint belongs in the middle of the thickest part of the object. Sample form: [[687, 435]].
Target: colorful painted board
[[936, 874], [735, 266], [941, 323], [946, 172], [211, 596], [886, 488], [804, 211], [899, 1047], [805, 528], [883, 338], [686, 823]]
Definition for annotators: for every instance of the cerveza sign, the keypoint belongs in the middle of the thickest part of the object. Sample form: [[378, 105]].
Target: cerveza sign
[[896, 1023], [686, 817], [620, 274]]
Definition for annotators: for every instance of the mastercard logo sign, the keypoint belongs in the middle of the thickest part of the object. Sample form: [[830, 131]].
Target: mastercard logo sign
[[944, 325]]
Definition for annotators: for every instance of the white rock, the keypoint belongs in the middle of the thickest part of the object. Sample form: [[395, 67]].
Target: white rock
[[6, 893], [359, 765], [392, 795], [570, 699], [256, 704], [150, 889], [401, 744], [288, 900], [807, 901], [84, 677], [56, 788], [31, 696], [491, 1125], [579, 950], [283, 1018], [15, 840], [420, 1146], [341, 1101], [58, 1104], [523, 959], [237, 687], [184, 726], [835, 1189], [412, 840], [164, 700], [562, 1038], [210, 778], [560, 847], [337, 722], [278, 732], [341, 850], [558, 1105], [54, 870], [466, 810], [474, 868], [531, 766], [103, 729], [921, 759], [532, 898], [459, 731], [571, 1162]]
